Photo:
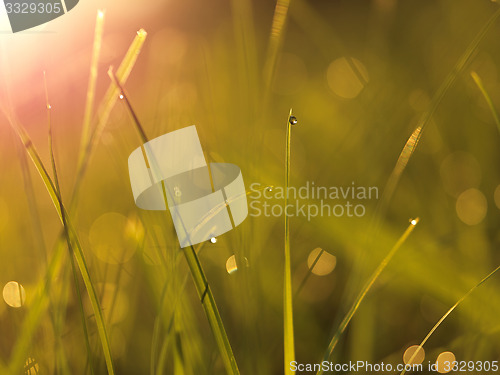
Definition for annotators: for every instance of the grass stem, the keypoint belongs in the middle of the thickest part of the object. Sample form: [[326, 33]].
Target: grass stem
[[362, 294], [448, 313], [289, 343]]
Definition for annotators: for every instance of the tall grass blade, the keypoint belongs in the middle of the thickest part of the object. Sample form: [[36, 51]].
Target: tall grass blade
[[289, 343], [202, 286], [309, 273], [65, 226], [402, 162], [89, 105], [78, 252], [275, 40], [448, 313], [487, 97], [357, 302], [106, 106], [157, 325], [426, 116]]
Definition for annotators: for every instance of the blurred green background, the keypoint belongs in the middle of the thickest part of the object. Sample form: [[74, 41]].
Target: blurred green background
[[207, 63]]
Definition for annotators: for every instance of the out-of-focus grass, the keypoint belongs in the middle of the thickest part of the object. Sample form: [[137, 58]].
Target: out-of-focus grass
[[487, 97], [214, 65]]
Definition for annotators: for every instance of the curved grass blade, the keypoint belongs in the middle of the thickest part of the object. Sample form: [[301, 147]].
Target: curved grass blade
[[287, 289], [449, 312], [202, 286], [75, 243], [347, 319], [309, 273], [409, 148], [157, 325], [41, 302], [89, 105], [106, 106], [487, 97], [275, 40], [65, 227]]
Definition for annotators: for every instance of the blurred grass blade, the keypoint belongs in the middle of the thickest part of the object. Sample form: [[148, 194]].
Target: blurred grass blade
[[287, 287], [202, 286], [357, 302], [36, 310], [106, 106], [309, 273], [275, 40], [89, 105], [426, 116], [65, 226], [80, 258], [157, 325], [401, 163], [487, 97], [449, 312]]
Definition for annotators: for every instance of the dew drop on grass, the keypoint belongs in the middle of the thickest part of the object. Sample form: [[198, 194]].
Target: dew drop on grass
[[443, 362], [14, 294], [213, 240], [232, 266], [320, 262], [293, 120], [414, 350]]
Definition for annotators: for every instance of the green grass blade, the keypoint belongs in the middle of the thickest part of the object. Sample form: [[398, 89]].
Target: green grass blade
[[426, 116], [212, 312], [309, 273], [89, 105], [487, 97], [157, 325], [202, 286], [449, 312], [34, 314], [75, 243], [289, 343], [65, 227], [275, 40], [106, 106], [362, 294]]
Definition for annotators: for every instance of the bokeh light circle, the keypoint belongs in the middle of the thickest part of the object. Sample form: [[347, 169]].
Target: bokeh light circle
[[324, 265], [471, 206], [347, 77], [497, 196], [444, 362], [14, 294], [114, 238], [414, 350]]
